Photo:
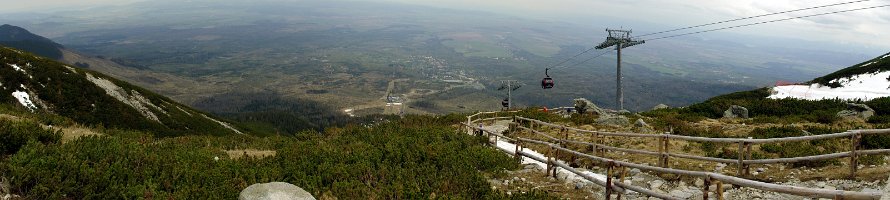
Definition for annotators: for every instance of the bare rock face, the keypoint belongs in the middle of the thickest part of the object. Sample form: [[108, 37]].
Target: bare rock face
[[613, 120], [583, 105], [274, 191], [735, 111]]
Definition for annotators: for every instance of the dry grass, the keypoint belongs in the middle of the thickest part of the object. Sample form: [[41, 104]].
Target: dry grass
[[74, 132], [254, 153]]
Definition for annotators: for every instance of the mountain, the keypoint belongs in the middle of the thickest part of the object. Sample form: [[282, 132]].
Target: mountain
[[42, 85], [864, 81], [17, 37], [819, 100]]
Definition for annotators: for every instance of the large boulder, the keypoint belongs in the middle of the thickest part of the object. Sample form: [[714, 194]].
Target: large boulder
[[735, 111], [274, 191], [583, 105], [642, 127], [857, 110]]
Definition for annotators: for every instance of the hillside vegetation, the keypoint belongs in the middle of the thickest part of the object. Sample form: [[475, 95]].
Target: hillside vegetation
[[93, 99], [417, 157]]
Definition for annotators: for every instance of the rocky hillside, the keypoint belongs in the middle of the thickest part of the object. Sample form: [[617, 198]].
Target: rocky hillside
[[41, 85]]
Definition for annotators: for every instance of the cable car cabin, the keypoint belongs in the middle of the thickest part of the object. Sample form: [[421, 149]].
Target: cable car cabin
[[505, 103], [547, 83]]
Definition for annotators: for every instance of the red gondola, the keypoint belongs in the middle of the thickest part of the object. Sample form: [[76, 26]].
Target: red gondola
[[505, 103], [547, 83]]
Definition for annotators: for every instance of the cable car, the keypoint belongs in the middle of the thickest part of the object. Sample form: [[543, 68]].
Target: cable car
[[505, 103], [547, 83]]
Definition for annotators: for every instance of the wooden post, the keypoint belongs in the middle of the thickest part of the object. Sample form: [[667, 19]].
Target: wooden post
[[667, 150], [555, 159], [707, 186], [469, 124], [661, 152], [748, 157], [596, 139], [549, 163], [741, 158], [621, 178], [854, 157], [609, 180], [517, 156], [719, 190]]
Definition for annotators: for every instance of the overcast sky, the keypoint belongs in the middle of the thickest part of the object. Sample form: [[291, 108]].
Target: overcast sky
[[866, 28]]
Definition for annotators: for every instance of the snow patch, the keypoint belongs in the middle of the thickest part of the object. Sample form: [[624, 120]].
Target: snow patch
[[183, 110], [135, 99], [864, 86], [17, 68], [569, 175], [25, 100], [223, 124], [867, 64], [885, 56]]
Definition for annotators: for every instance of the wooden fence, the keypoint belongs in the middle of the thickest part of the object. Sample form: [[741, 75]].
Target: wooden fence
[[612, 166]]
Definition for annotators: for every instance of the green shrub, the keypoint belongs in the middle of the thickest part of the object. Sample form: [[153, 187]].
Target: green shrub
[[417, 157], [14, 135]]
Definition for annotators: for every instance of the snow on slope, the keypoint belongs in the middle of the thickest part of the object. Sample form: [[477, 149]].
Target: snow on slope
[[863, 86], [24, 99]]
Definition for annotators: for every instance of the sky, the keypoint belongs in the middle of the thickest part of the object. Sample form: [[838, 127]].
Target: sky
[[865, 28]]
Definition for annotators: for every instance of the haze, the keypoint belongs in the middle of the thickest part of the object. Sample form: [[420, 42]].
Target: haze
[[859, 28]]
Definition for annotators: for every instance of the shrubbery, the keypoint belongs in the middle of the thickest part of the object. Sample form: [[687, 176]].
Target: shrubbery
[[14, 135], [418, 157]]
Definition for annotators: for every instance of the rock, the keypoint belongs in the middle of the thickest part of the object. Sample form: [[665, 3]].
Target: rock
[[613, 120], [820, 184], [583, 105], [579, 185], [642, 126], [761, 170], [634, 171], [681, 194], [660, 106], [857, 110], [274, 190], [699, 182], [755, 173], [735, 111], [656, 184]]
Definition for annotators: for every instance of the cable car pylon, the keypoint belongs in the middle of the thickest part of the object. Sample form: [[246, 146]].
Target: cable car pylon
[[620, 39]]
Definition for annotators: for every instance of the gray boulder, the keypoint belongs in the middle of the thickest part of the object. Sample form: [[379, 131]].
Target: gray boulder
[[613, 120], [583, 105], [735, 111], [660, 106], [274, 191], [642, 126], [857, 110]]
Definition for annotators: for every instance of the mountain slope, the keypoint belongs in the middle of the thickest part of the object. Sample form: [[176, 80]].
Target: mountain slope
[[864, 81], [17, 37], [87, 97]]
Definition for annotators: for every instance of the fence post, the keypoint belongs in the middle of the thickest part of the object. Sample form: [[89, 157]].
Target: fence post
[[609, 180], [707, 187], [596, 139], [661, 152], [469, 123], [621, 177], [748, 157], [516, 152], [854, 157], [719, 190], [549, 163], [667, 151], [741, 158]]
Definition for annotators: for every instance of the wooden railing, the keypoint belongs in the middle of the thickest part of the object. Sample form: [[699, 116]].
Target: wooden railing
[[664, 139], [744, 159]]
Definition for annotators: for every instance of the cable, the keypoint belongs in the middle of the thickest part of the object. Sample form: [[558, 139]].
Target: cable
[[771, 21], [570, 58], [756, 16], [597, 56]]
